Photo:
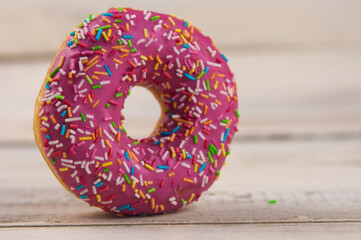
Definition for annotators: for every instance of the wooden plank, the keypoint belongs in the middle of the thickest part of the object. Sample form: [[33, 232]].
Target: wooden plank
[[248, 231], [312, 181], [254, 23], [280, 95]]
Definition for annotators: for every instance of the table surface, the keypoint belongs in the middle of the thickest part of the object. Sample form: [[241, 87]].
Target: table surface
[[294, 169]]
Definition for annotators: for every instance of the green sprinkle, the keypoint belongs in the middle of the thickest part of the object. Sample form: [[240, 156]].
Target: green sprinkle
[[125, 131], [89, 80], [136, 143], [133, 50], [53, 160], [54, 72], [107, 105], [97, 47], [167, 109], [128, 92], [106, 170], [154, 18], [210, 157], [151, 190], [200, 75], [195, 138], [96, 86], [130, 43], [126, 178], [213, 149], [119, 42], [218, 173], [82, 117], [272, 201], [76, 41], [118, 95], [118, 21], [59, 97], [225, 121], [103, 27], [80, 25], [91, 17], [113, 124], [207, 83], [182, 200], [228, 153], [237, 113], [120, 9]]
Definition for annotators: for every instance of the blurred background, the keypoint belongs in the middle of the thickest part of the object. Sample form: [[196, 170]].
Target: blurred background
[[297, 63]]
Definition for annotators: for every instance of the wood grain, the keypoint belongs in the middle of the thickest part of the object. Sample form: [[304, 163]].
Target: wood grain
[[311, 182]]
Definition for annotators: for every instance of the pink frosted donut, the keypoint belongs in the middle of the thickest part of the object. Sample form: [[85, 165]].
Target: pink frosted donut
[[78, 122]]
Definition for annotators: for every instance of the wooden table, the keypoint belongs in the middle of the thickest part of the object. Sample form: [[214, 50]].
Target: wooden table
[[295, 166]]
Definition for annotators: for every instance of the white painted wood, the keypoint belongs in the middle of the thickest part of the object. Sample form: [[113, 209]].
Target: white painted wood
[[312, 181], [39, 26], [328, 231]]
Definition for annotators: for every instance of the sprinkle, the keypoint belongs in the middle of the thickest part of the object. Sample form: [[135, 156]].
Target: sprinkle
[[272, 201], [202, 167], [99, 34], [190, 76], [108, 70], [154, 18], [225, 135]]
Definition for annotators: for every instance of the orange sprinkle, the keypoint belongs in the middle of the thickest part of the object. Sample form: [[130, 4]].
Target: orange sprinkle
[[53, 119], [188, 180], [96, 103], [171, 174], [104, 19]]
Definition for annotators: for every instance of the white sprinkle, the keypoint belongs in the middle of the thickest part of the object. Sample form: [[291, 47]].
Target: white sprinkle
[[73, 119]]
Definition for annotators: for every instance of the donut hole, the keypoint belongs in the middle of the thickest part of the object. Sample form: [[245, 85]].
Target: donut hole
[[141, 113]]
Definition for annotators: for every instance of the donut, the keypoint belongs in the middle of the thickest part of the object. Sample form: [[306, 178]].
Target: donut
[[78, 124]]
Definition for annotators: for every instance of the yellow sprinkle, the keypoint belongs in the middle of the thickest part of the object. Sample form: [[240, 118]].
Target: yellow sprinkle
[[143, 57], [85, 138], [106, 164], [195, 167], [133, 184], [223, 151], [184, 39], [99, 198], [184, 153], [145, 33], [156, 66], [149, 167], [105, 36], [109, 32], [171, 21], [215, 85], [191, 198], [63, 169]]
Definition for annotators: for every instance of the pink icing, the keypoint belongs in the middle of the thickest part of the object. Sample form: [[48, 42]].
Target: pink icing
[[81, 124]]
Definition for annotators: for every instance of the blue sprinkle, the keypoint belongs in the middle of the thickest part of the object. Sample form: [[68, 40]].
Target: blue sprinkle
[[156, 143], [203, 166], [79, 187], [69, 43], [62, 130], [47, 136], [98, 34], [224, 57], [128, 36], [72, 34], [131, 209], [108, 70], [132, 170], [186, 24], [170, 114], [206, 70], [83, 196], [189, 76], [165, 133], [63, 113], [108, 14], [162, 167], [175, 129], [99, 184], [188, 155], [225, 135], [185, 45], [124, 207], [126, 156], [47, 86]]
